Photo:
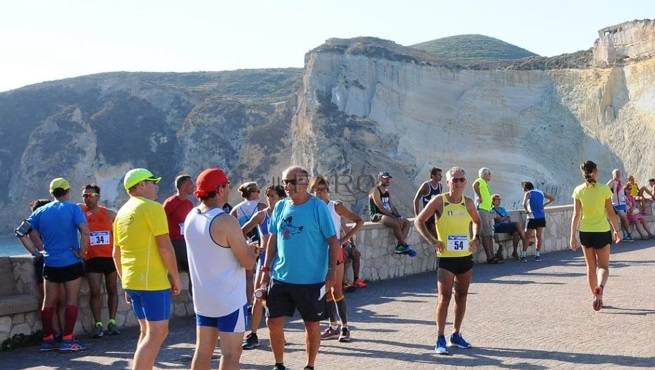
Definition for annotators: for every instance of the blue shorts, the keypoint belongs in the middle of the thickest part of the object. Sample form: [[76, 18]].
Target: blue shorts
[[621, 208], [151, 305], [235, 322]]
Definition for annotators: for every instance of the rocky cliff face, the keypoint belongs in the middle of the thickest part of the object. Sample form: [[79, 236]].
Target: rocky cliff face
[[362, 110], [360, 106], [95, 128]]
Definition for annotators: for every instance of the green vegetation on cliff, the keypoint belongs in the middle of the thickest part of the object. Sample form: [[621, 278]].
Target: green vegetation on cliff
[[470, 49]]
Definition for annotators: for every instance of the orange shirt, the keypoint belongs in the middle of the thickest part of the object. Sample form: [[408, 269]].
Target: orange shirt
[[101, 240]]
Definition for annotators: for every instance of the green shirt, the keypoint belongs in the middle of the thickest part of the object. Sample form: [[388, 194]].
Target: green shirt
[[485, 202]]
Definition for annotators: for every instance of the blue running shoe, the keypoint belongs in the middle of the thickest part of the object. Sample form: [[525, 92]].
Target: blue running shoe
[[458, 341], [440, 347], [411, 252], [71, 346], [49, 345]]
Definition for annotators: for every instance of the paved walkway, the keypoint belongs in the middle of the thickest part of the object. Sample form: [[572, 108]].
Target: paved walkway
[[520, 315]]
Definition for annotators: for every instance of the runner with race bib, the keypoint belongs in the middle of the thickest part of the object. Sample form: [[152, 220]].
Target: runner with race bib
[[455, 247]]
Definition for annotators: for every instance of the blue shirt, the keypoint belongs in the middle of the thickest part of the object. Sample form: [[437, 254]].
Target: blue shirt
[[500, 211], [57, 223], [302, 232], [536, 204]]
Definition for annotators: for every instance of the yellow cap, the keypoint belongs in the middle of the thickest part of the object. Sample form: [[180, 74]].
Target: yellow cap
[[59, 183], [136, 175]]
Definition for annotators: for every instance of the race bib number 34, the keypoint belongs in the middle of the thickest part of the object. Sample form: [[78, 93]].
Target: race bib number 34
[[99, 238], [457, 243]]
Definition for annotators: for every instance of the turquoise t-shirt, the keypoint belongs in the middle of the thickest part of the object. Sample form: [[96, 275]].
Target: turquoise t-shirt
[[302, 232]]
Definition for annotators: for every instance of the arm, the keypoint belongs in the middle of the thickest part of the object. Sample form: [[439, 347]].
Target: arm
[[333, 252], [84, 239], [350, 216], [229, 227], [497, 216], [167, 254], [476, 189], [614, 220], [116, 255], [111, 214], [575, 221], [549, 199], [271, 252], [255, 220], [475, 220], [434, 207], [526, 199], [417, 198]]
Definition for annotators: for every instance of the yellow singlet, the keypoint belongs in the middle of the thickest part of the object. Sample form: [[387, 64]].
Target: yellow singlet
[[453, 229]]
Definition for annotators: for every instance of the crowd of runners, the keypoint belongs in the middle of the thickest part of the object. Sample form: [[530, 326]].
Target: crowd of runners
[[270, 259]]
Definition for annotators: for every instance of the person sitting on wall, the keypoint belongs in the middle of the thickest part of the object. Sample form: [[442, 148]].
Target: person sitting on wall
[[504, 224]]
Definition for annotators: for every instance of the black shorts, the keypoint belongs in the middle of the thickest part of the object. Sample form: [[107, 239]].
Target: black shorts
[[376, 217], [180, 255], [505, 228], [595, 240], [38, 269], [456, 265], [100, 265], [534, 223], [63, 274], [284, 298]]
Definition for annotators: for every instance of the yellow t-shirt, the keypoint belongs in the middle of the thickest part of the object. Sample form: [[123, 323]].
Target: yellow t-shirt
[[634, 189], [592, 198], [137, 224]]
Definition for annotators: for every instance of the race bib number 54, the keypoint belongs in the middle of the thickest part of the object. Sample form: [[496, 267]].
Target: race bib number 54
[[99, 238], [457, 243]]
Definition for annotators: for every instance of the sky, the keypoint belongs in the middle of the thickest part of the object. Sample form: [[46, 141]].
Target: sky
[[54, 39]]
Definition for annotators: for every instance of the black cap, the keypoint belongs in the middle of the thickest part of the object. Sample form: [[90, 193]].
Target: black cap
[[384, 174]]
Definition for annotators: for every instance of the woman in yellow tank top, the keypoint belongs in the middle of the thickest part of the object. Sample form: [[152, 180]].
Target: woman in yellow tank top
[[591, 210], [455, 247]]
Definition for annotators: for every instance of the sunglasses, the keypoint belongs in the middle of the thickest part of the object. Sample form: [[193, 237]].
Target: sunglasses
[[322, 188], [458, 179], [89, 195], [290, 181]]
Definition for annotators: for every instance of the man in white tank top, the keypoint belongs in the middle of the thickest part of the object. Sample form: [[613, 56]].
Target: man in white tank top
[[218, 258]]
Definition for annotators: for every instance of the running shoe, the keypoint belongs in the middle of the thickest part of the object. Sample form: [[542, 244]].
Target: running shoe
[[440, 347], [251, 341], [99, 331], [458, 341], [49, 345], [344, 337], [628, 238], [71, 346], [359, 283], [112, 329], [279, 367], [537, 258], [329, 333], [402, 249], [524, 259]]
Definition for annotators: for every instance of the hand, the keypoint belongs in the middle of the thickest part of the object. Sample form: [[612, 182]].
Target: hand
[[439, 246], [175, 285], [617, 237], [254, 245], [127, 298], [573, 242], [330, 280], [474, 245]]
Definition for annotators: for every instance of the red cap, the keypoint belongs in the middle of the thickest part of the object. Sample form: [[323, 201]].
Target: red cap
[[209, 180]]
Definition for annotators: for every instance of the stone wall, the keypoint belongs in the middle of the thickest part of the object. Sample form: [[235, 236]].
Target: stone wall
[[19, 303], [623, 42]]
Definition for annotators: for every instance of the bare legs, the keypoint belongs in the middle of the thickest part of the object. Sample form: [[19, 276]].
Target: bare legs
[[597, 261]]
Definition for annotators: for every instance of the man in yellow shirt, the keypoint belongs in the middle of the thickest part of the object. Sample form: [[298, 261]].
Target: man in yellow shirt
[[144, 258]]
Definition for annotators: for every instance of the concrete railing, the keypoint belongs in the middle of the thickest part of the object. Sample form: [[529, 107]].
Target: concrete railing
[[19, 303]]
